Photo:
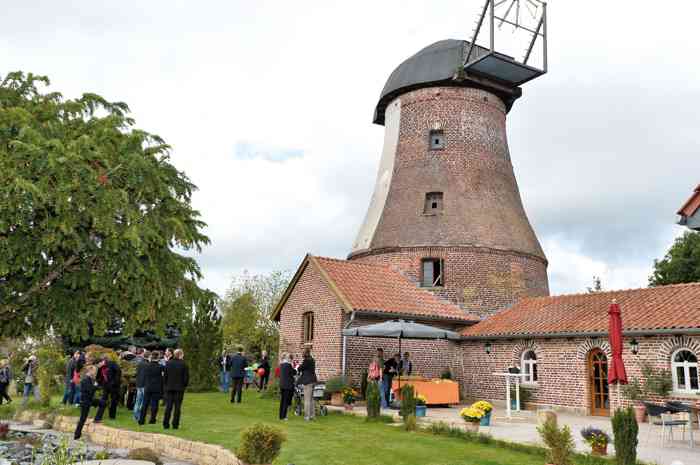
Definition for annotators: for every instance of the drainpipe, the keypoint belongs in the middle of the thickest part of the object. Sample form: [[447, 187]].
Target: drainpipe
[[345, 341]]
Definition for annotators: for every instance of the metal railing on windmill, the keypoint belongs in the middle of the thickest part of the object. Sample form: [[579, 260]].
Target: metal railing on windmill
[[495, 60], [400, 330]]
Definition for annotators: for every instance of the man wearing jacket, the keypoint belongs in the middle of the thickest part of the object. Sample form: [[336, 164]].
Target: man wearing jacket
[[140, 385], [286, 385], [238, 366], [176, 377], [109, 377], [87, 399], [153, 387]]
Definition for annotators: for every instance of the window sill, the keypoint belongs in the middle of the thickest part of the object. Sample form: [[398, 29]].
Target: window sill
[[432, 214], [689, 395], [433, 288], [529, 384]]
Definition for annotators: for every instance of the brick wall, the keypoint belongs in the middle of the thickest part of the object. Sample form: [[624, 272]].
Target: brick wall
[[562, 367], [312, 295], [480, 280]]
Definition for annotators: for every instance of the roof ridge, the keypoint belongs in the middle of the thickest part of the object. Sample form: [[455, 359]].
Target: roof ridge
[[352, 262], [613, 291]]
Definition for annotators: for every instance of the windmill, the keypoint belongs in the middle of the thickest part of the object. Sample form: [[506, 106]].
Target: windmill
[[519, 14]]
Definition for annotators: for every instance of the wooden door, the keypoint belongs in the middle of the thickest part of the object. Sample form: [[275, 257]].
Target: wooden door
[[598, 383]]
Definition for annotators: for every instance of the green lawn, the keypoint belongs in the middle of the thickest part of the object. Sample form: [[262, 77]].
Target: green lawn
[[332, 440]]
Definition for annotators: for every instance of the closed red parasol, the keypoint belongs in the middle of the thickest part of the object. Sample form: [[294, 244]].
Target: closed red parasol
[[616, 370]]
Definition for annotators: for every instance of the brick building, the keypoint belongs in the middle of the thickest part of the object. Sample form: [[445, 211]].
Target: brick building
[[446, 242]]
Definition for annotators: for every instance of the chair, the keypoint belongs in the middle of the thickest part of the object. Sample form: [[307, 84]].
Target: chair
[[680, 420], [654, 413]]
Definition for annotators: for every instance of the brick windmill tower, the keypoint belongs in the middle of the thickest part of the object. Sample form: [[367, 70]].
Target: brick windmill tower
[[446, 209]]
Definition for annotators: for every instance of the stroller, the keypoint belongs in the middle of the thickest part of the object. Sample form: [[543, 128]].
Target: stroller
[[319, 393]]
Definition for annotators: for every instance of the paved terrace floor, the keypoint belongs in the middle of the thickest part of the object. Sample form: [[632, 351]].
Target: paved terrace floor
[[524, 430]]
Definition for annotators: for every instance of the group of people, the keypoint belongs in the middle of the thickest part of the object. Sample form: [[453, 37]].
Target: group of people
[[158, 376], [235, 370], [382, 372], [304, 375], [29, 372]]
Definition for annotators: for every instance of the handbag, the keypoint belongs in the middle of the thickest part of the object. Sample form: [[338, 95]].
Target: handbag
[[76, 377]]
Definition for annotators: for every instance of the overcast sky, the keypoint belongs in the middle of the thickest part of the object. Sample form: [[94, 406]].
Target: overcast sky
[[268, 105]]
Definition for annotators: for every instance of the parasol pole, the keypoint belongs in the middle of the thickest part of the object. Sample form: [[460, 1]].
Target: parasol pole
[[400, 334]]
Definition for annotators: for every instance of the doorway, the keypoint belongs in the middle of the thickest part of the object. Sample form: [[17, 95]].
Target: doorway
[[598, 383]]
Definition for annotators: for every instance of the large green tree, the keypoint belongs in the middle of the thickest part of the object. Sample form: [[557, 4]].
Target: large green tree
[[681, 263], [94, 219], [201, 340], [247, 309]]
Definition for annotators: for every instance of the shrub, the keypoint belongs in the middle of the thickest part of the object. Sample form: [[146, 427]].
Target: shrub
[[625, 430], [633, 390], [373, 400], [658, 381], [471, 414], [363, 384], [63, 455], [446, 374], [260, 444], [145, 454], [7, 411], [410, 423], [201, 340], [559, 442], [408, 401], [336, 384], [51, 369]]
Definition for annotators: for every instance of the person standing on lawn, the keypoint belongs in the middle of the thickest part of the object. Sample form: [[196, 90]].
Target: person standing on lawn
[[109, 377], [286, 380], [308, 379], [153, 388], [265, 374], [238, 366], [406, 365], [5, 378], [391, 367], [72, 379], [88, 386], [140, 385], [176, 377], [30, 379], [224, 371]]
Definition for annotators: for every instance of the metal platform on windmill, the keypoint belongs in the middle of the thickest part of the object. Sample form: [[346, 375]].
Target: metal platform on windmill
[[498, 66]]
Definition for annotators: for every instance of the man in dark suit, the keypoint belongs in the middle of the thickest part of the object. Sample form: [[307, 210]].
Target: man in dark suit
[[153, 387], [109, 377], [238, 366], [286, 385], [87, 399], [176, 377]]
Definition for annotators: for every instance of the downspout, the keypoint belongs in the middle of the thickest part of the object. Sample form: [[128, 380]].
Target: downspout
[[345, 341]]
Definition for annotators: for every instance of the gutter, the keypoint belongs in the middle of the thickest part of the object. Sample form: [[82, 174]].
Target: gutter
[[345, 342], [567, 334]]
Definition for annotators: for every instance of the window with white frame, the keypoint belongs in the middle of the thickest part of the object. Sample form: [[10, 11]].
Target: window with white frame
[[528, 367], [684, 366]]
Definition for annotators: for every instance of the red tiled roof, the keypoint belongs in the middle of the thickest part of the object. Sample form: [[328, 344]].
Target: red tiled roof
[[692, 205], [664, 307], [381, 289]]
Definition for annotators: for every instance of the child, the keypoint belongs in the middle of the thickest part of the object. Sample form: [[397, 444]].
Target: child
[[88, 386]]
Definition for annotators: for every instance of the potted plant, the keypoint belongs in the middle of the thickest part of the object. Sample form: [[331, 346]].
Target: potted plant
[[559, 443], [658, 381], [597, 439], [487, 408], [634, 392], [349, 397], [525, 396], [334, 387], [421, 407], [472, 416]]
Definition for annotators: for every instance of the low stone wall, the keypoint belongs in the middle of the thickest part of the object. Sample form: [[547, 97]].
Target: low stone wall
[[198, 453]]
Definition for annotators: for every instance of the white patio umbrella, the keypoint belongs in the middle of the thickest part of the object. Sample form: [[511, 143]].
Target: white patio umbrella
[[400, 329]]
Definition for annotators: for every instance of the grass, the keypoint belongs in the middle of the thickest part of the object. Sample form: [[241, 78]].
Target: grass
[[333, 440]]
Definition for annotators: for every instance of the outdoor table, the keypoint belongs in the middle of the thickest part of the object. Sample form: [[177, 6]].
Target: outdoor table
[[436, 391]]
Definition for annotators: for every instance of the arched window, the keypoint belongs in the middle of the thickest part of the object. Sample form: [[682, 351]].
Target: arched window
[[684, 365], [528, 367]]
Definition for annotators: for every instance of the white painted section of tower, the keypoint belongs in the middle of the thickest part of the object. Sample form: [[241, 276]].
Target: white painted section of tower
[[392, 121]]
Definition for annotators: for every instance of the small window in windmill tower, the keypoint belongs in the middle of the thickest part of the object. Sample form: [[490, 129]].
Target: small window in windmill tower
[[308, 327], [433, 203], [432, 272], [437, 139]]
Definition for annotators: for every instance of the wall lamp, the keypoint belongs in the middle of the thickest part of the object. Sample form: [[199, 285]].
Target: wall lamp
[[487, 347], [635, 346]]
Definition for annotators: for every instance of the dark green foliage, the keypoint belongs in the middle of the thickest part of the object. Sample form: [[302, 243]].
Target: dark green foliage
[[681, 263], [625, 431], [51, 369], [363, 384], [145, 454], [446, 374], [336, 384], [559, 442], [201, 341], [373, 400], [634, 390], [260, 444], [408, 401], [95, 222]]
